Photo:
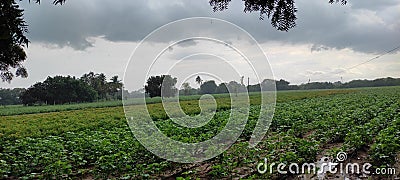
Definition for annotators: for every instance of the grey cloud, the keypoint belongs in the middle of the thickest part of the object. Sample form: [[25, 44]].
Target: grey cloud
[[187, 42], [314, 72], [334, 26], [373, 5], [338, 70], [317, 48], [72, 23], [319, 23]]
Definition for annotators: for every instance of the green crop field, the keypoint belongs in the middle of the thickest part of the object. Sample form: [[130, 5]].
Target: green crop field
[[93, 140]]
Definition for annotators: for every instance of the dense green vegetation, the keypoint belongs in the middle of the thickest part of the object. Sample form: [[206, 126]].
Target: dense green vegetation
[[97, 143], [285, 85], [58, 90], [10, 96], [67, 89], [163, 85], [282, 96], [94, 87]]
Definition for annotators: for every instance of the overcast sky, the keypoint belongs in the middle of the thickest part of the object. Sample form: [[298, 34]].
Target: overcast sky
[[101, 35]]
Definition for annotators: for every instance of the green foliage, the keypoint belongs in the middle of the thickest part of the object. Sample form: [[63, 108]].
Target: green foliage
[[188, 102], [97, 143], [59, 90], [373, 83], [10, 96], [104, 89], [387, 145], [208, 87], [282, 13], [285, 85], [221, 89], [161, 86], [12, 40], [187, 90]]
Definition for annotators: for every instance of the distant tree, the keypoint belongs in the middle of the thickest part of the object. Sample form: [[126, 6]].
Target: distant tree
[[254, 88], [268, 85], [221, 89], [293, 87], [282, 85], [98, 82], [186, 88], [372, 83], [168, 88], [208, 87], [59, 90], [385, 82], [135, 94], [35, 94], [156, 84], [10, 96], [317, 85], [115, 88], [101, 85], [235, 87], [153, 87]]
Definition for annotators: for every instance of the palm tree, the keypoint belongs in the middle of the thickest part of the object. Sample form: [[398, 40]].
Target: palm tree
[[115, 86], [199, 80], [186, 88]]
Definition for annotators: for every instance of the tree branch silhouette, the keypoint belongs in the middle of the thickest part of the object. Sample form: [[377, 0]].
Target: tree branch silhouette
[[282, 13]]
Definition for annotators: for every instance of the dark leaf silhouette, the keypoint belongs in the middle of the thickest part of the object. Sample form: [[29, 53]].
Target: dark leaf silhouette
[[282, 13], [13, 40]]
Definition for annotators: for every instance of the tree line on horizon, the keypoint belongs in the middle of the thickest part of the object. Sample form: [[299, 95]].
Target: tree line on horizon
[[94, 87], [65, 89], [155, 84]]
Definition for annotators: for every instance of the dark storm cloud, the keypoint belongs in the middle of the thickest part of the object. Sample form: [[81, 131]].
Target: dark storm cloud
[[364, 26], [335, 26], [72, 23]]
